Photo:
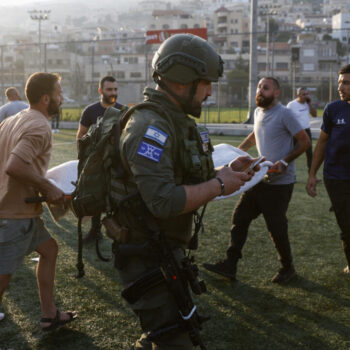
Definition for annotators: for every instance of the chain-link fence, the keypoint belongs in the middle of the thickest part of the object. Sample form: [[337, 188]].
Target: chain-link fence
[[83, 63]]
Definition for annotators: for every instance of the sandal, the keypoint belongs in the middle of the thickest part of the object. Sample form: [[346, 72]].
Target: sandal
[[56, 322]]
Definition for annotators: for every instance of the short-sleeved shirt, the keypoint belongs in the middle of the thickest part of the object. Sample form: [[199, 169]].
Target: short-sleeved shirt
[[12, 108], [28, 136], [301, 111], [274, 130], [93, 111], [336, 124]]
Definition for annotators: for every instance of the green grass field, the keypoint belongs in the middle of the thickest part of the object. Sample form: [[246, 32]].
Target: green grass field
[[312, 312], [209, 115]]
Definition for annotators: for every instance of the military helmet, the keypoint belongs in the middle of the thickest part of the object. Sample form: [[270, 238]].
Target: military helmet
[[184, 58]]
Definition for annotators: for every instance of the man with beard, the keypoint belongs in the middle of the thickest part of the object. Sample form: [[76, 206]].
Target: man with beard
[[26, 143], [274, 129], [108, 90], [170, 174], [333, 147]]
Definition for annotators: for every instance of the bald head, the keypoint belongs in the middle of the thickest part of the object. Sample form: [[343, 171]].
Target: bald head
[[12, 94]]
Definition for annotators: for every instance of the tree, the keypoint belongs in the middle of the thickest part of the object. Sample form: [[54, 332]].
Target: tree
[[238, 80]]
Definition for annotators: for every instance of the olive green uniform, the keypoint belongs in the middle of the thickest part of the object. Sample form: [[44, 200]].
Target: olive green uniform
[[161, 155]]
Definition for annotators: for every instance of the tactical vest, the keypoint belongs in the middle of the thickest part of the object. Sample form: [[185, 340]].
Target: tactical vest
[[193, 164]]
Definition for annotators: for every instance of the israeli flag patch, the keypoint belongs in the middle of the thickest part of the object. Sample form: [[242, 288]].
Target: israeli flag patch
[[149, 151], [157, 135]]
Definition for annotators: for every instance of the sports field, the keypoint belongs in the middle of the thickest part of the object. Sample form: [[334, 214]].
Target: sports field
[[312, 312]]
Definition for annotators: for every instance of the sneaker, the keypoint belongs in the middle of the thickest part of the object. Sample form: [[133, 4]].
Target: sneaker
[[224, 268], [346, 270], [92, 236], [2, 316], [284, 275]]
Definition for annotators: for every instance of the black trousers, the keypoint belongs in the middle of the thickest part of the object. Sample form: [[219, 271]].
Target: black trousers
[[272, 201], [308, 151], [339, 194]]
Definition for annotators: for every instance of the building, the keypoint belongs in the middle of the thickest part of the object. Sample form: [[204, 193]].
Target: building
[[231, 29], [341, 27]]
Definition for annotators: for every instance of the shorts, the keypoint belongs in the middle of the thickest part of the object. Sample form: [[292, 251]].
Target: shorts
[[18, 238]]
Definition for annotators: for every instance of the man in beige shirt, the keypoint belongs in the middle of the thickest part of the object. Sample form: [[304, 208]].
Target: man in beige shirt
[[26, 143]]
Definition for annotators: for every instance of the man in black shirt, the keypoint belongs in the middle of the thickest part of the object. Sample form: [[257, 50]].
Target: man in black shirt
[[108, 90]]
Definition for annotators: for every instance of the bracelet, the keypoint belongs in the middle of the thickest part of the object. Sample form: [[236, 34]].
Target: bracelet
[[284, 162], [222, 185]]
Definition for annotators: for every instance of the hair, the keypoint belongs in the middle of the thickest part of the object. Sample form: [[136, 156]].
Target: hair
[[274, 80], [11, 92], [106, 78], [302, 88], [40, 84], [344, 69]]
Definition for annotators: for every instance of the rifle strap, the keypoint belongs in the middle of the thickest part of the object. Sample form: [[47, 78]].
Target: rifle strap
[[99, 254], [80, 264]]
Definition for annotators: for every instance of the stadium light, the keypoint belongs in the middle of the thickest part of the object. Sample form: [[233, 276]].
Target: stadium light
[[39, 15]]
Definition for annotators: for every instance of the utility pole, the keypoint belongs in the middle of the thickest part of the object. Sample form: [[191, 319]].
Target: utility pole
[[267, 44], [252, 60], [39, 15]]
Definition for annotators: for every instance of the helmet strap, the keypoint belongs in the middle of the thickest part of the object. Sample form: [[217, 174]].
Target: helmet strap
[[185, 103]]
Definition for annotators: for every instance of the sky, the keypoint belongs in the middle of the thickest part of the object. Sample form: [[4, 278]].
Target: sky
[[21, 2]]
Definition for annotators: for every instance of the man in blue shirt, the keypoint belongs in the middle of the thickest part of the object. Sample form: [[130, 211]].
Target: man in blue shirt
[[333, 147], [108, 98], [14, 104]]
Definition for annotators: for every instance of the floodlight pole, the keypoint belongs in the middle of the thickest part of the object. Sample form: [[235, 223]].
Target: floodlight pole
[[39, 15], [252, 60]]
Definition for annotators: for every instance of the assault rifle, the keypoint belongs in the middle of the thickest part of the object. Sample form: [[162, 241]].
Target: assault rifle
[[177, 275]]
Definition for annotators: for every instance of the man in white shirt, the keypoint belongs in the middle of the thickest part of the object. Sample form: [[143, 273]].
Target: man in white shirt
[[302, 109]]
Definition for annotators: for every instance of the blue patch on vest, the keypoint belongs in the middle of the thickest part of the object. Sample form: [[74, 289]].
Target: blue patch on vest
[[149, 151], [205, 136], [157, 135]]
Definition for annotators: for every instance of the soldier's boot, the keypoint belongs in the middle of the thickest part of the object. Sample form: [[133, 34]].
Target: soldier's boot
[[226, 268], [284, 275]]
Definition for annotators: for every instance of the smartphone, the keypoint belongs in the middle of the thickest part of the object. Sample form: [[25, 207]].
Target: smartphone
[[254, 164]]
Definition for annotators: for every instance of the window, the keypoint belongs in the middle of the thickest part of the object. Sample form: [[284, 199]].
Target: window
[[120, 75], [135, 75], [282, 65], [261, 66], [309, 52], [308, 67], [131, 60], [165, 26], [96, 74], [184, 26]]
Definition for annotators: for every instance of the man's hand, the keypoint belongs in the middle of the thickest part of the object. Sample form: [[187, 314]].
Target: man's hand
[[242, 163], [54, 195], [278, 168], [233, 180], [311, 186]]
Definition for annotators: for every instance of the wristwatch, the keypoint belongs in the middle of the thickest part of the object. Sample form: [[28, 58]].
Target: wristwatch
[[284, 162]]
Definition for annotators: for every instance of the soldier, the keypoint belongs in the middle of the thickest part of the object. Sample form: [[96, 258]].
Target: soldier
[[169, 164]]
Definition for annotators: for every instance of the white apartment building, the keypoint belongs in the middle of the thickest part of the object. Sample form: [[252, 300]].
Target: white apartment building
[[174, 19], [231, 28], [341, 27]]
